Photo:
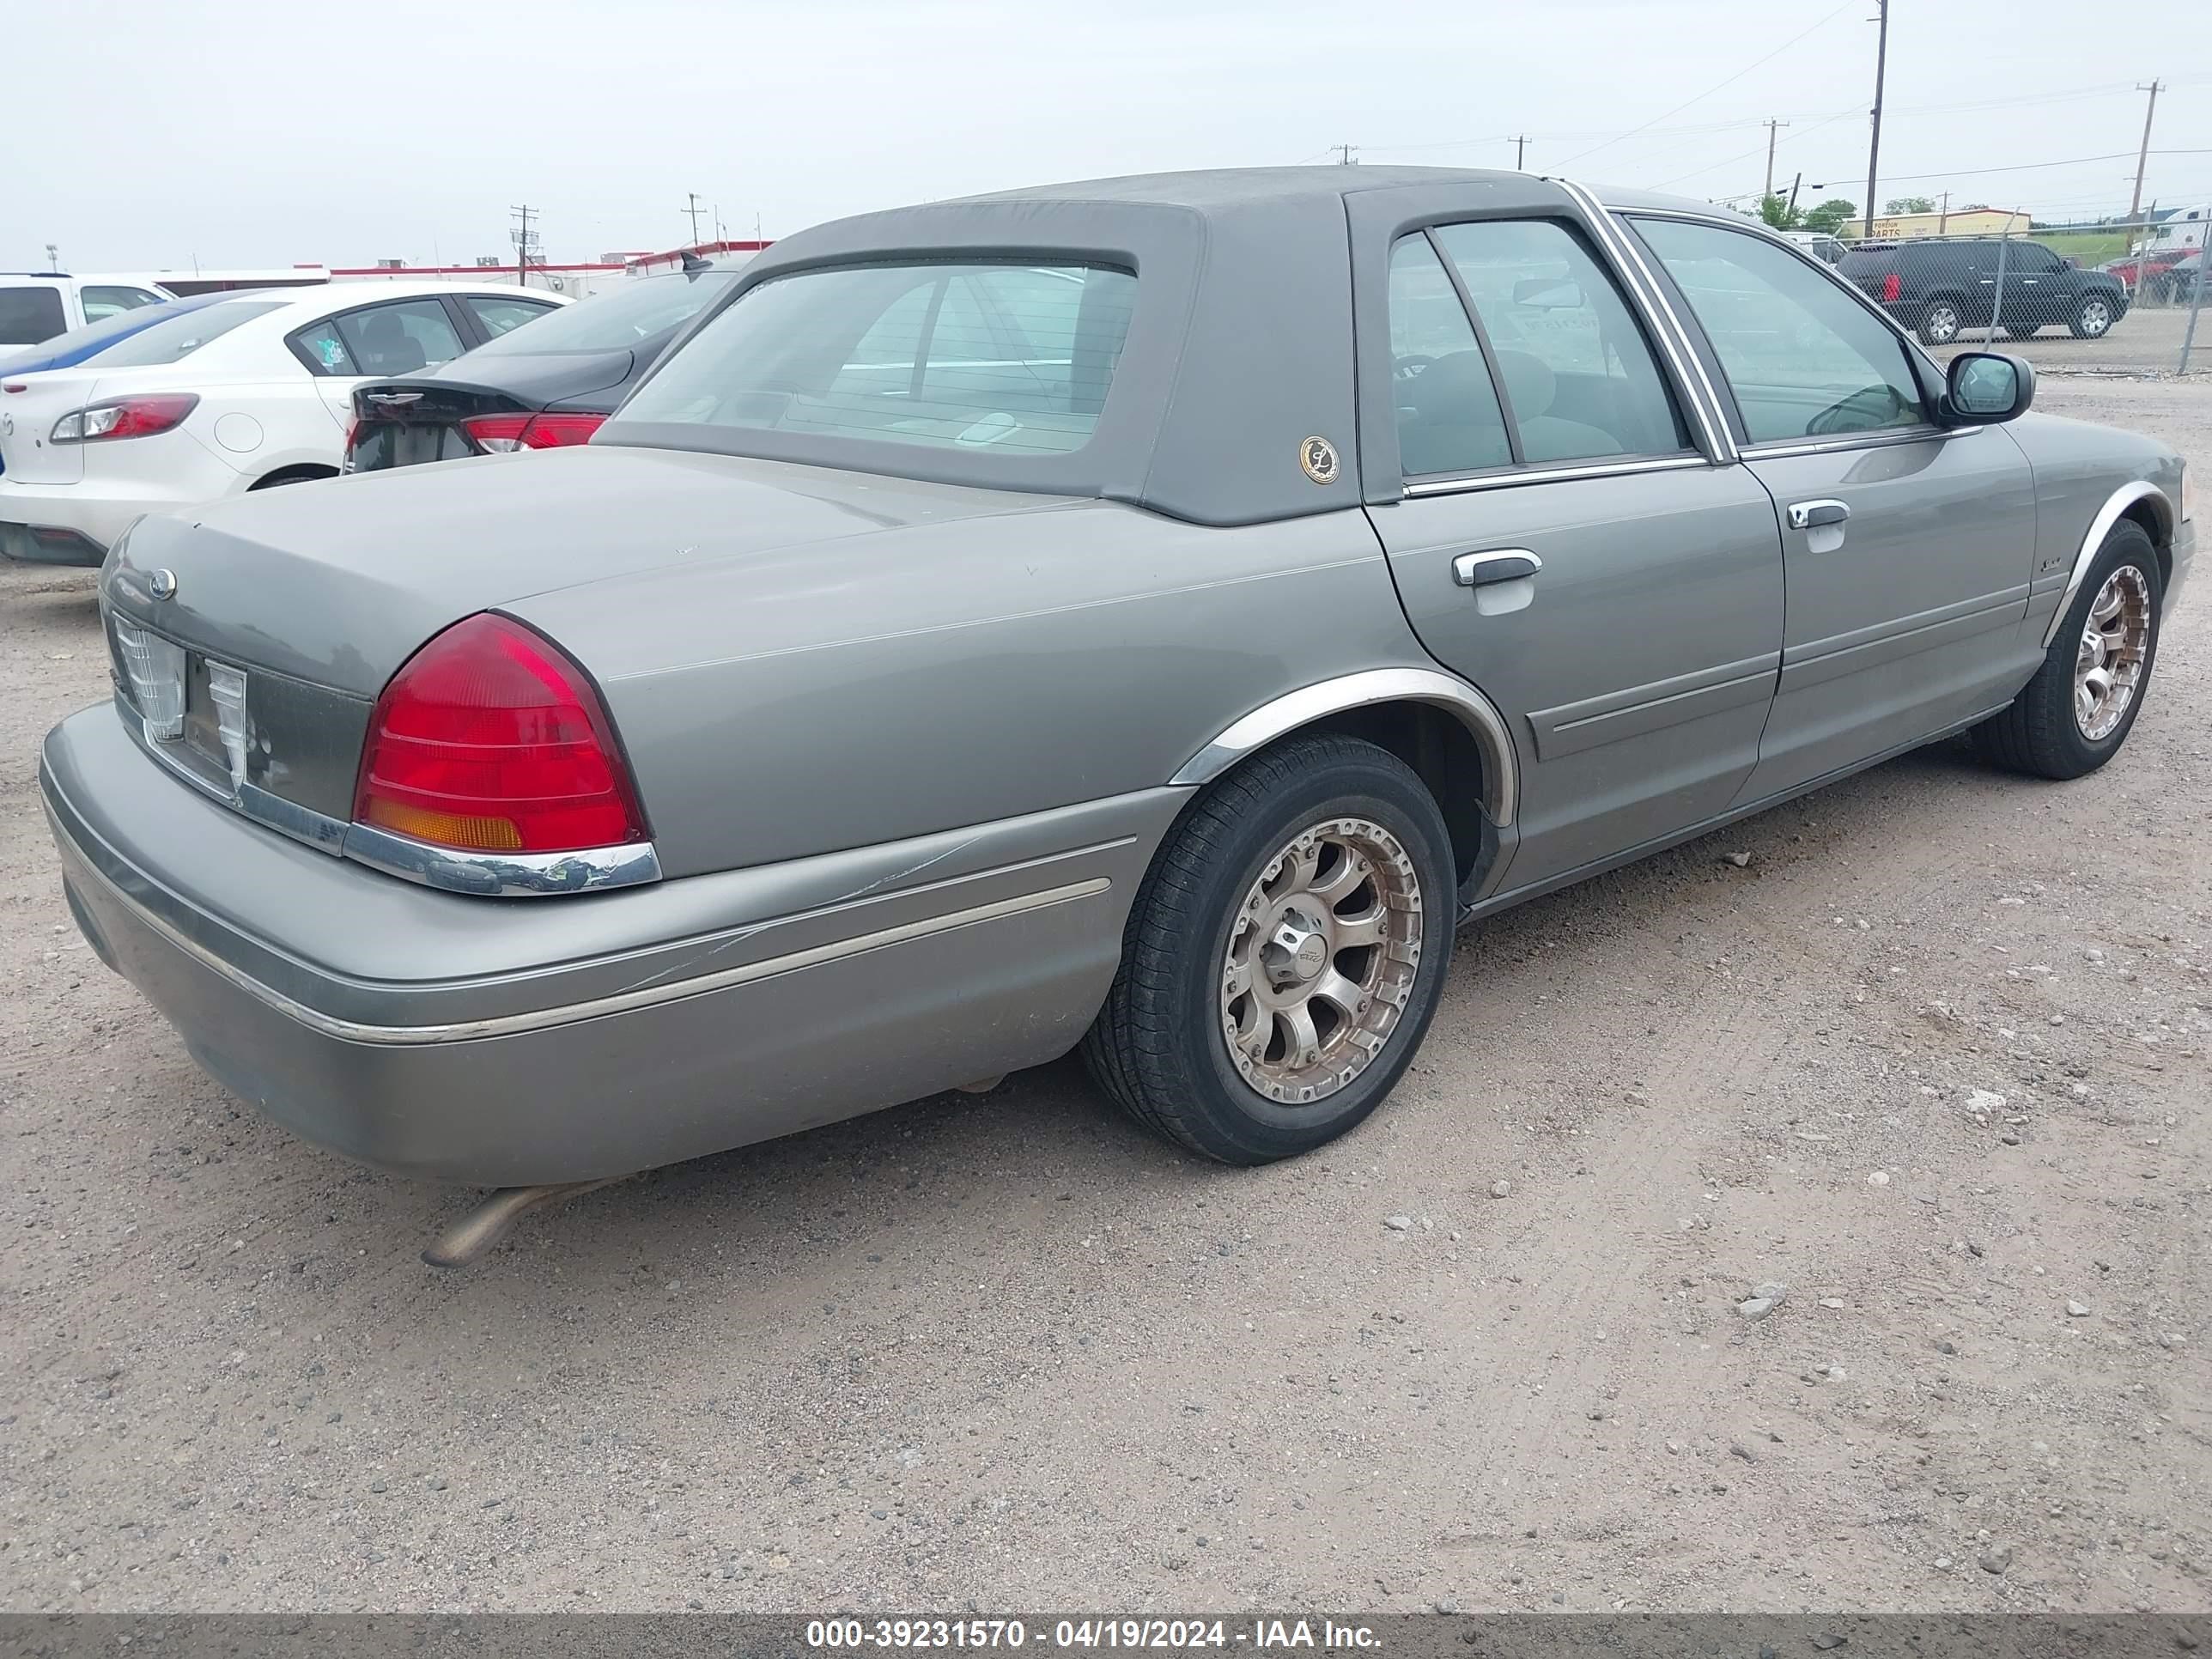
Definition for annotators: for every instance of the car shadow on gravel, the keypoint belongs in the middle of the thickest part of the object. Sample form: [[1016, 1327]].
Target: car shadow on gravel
[[954, 1176]]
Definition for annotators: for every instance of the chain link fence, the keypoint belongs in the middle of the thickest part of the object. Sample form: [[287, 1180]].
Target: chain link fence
[[2123, 296]]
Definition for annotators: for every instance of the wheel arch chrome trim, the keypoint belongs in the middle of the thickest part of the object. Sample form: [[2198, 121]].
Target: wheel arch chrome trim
[[2115, 508], [1293, 710]]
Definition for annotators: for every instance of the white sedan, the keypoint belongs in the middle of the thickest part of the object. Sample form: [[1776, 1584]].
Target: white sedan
[[242, 395]]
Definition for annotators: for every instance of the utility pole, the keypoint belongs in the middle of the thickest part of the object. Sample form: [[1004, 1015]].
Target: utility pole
[[692, 207], [1874, 145], [54, 257], [524, 240], [1520, 151], [1343, 154], [1943, 217], [1770, 127], [2143, 158]]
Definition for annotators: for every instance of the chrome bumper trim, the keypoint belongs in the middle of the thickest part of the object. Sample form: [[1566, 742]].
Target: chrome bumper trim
[[500, 875]]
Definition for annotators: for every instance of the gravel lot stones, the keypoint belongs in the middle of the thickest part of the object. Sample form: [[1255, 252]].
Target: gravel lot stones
[[1022, 1291]]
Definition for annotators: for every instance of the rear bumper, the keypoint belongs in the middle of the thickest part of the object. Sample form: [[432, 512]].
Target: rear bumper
[[66, 523], [504, 1044]]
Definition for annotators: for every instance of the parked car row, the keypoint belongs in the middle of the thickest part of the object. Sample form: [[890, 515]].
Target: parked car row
[[248, 393], [1148, 616], [37, 305]]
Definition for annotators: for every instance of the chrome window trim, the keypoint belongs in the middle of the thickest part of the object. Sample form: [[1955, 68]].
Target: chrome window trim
[[536, 1019], [1454, 484], [492, 875], [502, 875], [2109, 514], [1659, 316], [1270, 721], [1782, 449]]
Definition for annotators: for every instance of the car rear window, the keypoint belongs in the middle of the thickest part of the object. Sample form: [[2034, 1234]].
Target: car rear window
[[176, 338], [994, 356], [616, 320], [28, 315]]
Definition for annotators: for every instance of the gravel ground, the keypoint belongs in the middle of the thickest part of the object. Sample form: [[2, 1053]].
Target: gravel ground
[[1005, 1351]]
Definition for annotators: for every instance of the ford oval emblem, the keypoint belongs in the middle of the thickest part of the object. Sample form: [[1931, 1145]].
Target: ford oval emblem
[[161, 584]]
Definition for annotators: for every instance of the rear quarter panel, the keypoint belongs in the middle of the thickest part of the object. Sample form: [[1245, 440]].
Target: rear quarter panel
[[936, 676]]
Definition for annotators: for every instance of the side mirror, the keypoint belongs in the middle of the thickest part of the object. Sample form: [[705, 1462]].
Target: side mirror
[[1984, 387]]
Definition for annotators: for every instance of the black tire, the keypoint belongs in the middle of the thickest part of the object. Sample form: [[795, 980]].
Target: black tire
[[2039, 734], [1159, 1048], [1942, 319], [2094, 316]]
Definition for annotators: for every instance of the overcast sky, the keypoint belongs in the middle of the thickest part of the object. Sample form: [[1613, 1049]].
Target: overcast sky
[[249, 133]]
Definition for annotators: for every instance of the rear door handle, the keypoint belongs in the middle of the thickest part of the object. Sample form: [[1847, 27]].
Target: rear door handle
[[1811, 515], [1499, 564]]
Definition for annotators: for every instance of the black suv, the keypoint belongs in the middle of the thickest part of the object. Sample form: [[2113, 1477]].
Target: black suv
[[1938, 288]]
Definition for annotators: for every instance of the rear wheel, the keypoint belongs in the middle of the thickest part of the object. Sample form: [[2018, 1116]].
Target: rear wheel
[[1940, 323], [2093, 319], [1284, 956], [2077, 711]]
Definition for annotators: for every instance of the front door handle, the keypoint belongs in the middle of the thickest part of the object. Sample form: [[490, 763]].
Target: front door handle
[[1811, 515], [1499, 564]]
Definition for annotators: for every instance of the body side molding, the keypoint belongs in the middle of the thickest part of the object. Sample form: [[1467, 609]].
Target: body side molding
[[1285, 714]]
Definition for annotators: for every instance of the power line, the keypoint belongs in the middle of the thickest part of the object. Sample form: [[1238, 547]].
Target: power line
[[2028, 167], [1717, 86]]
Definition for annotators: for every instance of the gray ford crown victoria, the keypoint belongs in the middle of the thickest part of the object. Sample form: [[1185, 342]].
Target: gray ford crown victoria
[[1147, 614]]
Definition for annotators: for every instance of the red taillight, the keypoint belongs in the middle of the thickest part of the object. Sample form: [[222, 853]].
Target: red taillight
[[1892, 288], [489, 739], [499, 433], [124, 417]]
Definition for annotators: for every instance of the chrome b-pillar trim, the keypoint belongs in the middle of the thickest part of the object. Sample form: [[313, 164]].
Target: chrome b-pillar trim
[[2100, 528], [1270, 721], [1645, 292]]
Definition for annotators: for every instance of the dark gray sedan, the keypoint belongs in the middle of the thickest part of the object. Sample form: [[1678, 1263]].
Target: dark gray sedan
[[1149, 615]]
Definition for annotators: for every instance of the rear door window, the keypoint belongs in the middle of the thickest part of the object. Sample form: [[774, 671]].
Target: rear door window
[[1579, 380], [1449, 417], [400, 337], [1804, 359], [28, 315], [502, 316]]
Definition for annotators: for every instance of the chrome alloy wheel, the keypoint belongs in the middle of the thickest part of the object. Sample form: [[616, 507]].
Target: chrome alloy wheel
[[2096, 318], [2108, 665], [1941, 323], [1322, 959]]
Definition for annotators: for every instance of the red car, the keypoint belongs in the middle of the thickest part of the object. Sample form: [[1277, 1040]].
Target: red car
[[2149, 266]]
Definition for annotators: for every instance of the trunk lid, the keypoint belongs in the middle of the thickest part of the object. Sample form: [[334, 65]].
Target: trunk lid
[[337, 583], [411, 421]]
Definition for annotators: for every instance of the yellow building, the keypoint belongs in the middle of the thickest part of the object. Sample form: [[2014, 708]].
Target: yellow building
[[1958, 222]]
